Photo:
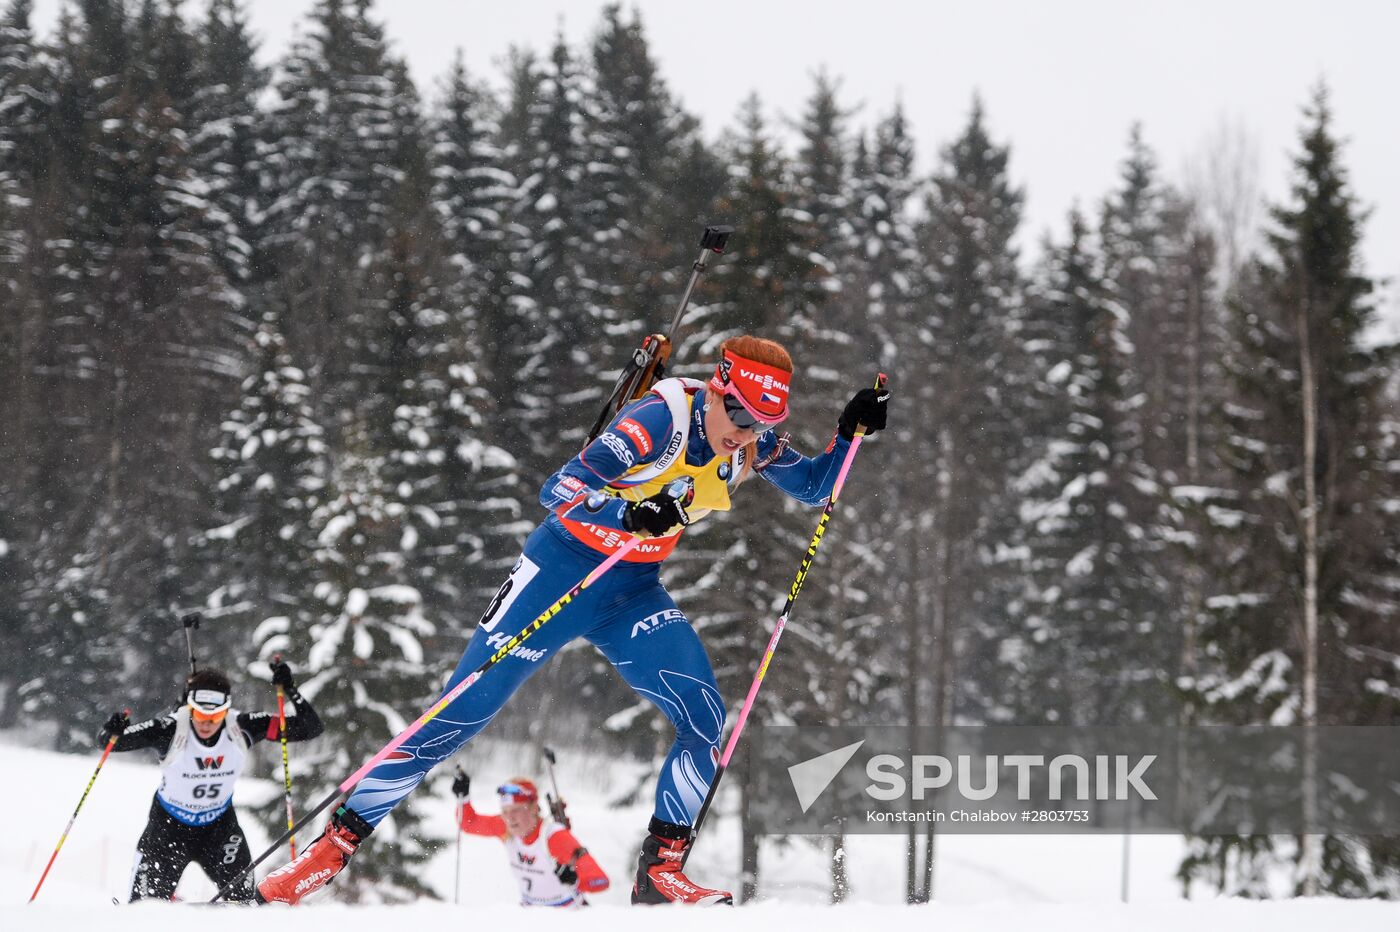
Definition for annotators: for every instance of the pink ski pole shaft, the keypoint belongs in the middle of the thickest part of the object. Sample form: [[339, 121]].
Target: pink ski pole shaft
[[807, 559]]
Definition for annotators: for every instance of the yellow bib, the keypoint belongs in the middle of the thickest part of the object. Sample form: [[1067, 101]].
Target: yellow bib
[[713, 481]]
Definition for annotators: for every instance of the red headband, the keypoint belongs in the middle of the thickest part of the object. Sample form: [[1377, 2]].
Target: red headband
[[761, 388]]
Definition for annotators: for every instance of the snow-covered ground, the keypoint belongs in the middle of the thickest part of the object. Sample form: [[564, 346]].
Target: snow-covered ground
[[983, 882]]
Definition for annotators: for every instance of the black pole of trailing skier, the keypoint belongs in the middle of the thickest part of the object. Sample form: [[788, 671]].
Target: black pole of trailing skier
[[111, 741], [556, 802], [648, 362], [457, 830], [793, 592], [191, 621]]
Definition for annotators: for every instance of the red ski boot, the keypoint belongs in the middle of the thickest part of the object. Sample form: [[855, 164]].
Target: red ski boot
[[659, 877], [319, 863]]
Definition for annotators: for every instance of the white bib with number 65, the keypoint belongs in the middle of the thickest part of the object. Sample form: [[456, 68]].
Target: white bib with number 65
[[196, 779]]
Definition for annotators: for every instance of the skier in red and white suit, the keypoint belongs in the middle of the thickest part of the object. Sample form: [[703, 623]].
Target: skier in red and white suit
[[552, 868]]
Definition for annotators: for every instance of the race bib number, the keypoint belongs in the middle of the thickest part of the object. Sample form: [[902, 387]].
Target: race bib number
[[525, 570]]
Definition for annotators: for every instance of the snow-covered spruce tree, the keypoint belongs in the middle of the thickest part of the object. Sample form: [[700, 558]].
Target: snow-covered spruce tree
[[964, 374], [823, 166], [1191, 470], [970, 291], [74, 675], [227, 84], [808, 321], [366, 668], [1137, 259], [331, 144], [880, 257], [1158, 267], [550, 368], [22, 107], [635, 135], [23, 104], [271, 464], [14, 573], [819, 327], [459, 490], [141, 314], [1302, 630], [480, 504], [472, 193], [1083, 651], [42, 489]]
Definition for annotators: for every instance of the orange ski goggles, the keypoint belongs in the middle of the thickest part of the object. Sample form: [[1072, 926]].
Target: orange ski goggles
[[208, 705]]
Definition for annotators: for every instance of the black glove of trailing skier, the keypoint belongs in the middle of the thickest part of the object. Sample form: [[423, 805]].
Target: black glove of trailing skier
[[114, 727], [655, 516], [567, 874], [282, 675], [462, 785], [868, 407]]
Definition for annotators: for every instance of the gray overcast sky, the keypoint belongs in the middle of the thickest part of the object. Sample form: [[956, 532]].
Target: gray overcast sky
[[1062, 81]]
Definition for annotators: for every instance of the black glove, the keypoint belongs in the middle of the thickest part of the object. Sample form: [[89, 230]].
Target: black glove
[[868, 407], [115, 726], [282, 675], [655, 516], [566, 873], [462, 785]]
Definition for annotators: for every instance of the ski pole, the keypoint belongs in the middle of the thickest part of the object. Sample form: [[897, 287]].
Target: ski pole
[[286, 766], [191, 621], [126, 713], [457, 830], [648, 362], [713, 240], [778, 630], [556, 802], [432, 712]]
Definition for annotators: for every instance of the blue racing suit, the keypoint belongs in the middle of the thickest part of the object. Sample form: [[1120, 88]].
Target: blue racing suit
[[627, 614]]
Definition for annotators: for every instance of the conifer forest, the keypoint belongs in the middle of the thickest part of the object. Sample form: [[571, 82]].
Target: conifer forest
[[293, 343]]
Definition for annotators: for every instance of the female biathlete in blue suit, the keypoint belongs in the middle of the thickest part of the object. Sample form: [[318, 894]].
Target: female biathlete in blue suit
[[717, 434]]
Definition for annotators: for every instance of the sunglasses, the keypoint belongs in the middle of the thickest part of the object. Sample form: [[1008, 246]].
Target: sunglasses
[[199, 715], [517, 792], [742, 417]]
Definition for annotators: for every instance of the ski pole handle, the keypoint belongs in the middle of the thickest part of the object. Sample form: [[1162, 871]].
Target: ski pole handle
[[190, 621], [880, 381], [549, 757], [713, 240], [111, 742]]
